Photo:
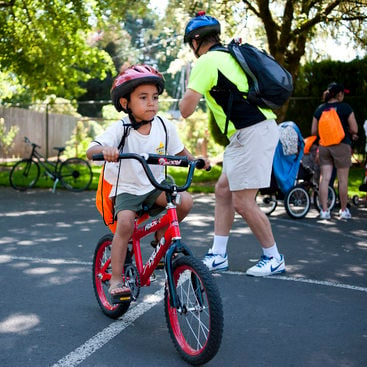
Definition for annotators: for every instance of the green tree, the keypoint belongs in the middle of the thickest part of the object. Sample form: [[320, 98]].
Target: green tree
[[290, 25], [48, 47]]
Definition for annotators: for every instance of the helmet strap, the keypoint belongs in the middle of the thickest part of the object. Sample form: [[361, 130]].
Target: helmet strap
[[199, 43], [136, 125]]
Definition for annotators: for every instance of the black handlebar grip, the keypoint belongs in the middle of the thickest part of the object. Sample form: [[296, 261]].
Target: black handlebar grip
[[201, 164], [98, 157]]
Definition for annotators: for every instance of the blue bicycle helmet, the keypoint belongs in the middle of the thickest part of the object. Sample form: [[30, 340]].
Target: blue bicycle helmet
[[201, 26]]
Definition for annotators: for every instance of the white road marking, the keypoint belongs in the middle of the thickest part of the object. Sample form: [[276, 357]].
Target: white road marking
[[305, 280], [99, 340]]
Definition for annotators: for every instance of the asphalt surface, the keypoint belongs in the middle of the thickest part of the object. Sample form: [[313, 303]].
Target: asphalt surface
[[313, 315]]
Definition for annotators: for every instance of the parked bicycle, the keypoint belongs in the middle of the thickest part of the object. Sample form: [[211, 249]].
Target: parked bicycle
[[192, 303], [75, 174]]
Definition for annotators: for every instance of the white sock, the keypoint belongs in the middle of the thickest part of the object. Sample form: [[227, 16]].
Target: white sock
[[220, 245], [272, 252]]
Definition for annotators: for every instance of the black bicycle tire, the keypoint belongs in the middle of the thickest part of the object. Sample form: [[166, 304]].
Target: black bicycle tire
[[288, 206], [213, 311], [113, 311], [75, 174], [269, 208], [12, 176], [316, 199]]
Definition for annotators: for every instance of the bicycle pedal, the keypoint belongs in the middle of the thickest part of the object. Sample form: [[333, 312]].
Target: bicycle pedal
[[121, 299]]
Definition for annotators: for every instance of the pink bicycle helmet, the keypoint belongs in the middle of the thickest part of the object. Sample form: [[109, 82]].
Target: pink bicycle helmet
[[132, 77]]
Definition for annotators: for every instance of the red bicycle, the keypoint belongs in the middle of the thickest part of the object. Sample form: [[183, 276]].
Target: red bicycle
[[193, 307]]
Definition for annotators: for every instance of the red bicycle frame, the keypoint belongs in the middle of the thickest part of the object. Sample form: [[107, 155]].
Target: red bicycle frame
[[171, 234], [171, 241]]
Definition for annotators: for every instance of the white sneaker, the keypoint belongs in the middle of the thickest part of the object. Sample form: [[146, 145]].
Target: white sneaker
[[267, 266], [345, 214], [325, 214], [216, 262]]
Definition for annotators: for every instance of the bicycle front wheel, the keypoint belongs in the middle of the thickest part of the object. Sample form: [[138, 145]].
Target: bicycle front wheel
[[76, 174], [196, 326], [101, 279], [24, 175]]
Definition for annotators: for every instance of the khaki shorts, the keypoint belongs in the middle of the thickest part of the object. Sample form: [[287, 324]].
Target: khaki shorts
[[248, 159], [136, 203], [339, 155]]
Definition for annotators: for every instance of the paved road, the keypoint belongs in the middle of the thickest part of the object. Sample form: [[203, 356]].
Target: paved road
[[314, 315]]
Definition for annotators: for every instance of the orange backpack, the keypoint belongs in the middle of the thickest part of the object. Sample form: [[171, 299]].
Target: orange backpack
[[330, 128], [308, 143], [104, 203]]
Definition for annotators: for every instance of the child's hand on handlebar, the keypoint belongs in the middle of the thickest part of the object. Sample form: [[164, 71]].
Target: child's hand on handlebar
[[110, 154]]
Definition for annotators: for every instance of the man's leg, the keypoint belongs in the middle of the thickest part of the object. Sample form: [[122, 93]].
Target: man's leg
[[224, 211], [245, 205], [271, 262], [216, 259]]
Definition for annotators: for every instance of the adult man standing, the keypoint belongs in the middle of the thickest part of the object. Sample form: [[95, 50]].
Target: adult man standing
[[253, 136]]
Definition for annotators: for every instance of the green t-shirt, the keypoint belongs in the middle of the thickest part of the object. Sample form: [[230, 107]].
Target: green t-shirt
[[213, 74]]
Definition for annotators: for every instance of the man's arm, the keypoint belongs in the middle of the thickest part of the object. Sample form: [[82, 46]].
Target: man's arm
[[189, 102]]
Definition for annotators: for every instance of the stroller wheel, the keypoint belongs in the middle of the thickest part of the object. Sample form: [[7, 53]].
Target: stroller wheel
[[266, 203], [331, 200], [297, 202], [355, 200]]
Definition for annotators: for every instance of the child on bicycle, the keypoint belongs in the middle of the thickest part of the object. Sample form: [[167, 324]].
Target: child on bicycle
[[135, 91]]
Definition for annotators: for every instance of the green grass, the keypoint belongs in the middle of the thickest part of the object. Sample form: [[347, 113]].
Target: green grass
[[203, 181]]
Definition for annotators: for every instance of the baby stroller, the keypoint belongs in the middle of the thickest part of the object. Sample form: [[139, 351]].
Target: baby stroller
[[289, 182]]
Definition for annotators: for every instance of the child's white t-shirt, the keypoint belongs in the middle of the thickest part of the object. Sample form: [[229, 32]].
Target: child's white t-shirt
[[132, 178]]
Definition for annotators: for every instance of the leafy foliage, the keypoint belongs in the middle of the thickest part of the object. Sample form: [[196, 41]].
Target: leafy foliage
[[46, 46], [7, 137]]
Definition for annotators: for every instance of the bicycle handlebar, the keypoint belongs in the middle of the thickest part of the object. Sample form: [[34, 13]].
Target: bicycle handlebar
[[26, 140], [163, 160]]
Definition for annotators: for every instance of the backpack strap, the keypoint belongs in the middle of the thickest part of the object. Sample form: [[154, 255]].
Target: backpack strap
[[127, 128], [220, 47], [165, 145]]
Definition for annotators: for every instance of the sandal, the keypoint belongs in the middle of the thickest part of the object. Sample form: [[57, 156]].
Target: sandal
[[119, 292]]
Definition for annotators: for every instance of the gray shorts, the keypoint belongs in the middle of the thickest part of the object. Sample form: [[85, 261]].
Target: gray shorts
[[136, 203], [339, 155], [248, 159]]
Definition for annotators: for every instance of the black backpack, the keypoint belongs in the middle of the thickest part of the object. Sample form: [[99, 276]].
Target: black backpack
[[270, 85]]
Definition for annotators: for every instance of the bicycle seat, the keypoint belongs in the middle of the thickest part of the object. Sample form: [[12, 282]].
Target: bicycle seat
[[59, 149]]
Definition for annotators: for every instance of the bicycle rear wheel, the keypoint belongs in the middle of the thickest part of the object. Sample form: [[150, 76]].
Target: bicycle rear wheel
[[24, 175], [101, 274], [196, 326], [75, 174]]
